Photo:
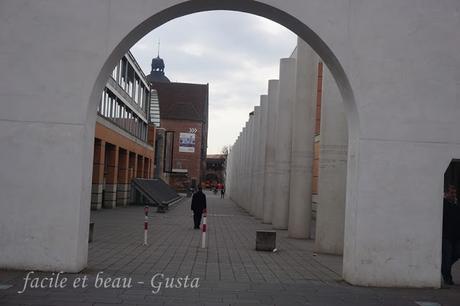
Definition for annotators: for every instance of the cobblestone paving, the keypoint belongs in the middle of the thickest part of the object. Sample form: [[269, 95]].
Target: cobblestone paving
[[230, 271]]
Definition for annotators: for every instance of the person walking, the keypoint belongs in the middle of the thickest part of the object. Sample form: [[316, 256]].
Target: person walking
[[198, 206], [450, 233], [222, 191]]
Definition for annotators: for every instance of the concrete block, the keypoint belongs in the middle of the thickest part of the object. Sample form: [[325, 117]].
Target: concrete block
[[265, 240]]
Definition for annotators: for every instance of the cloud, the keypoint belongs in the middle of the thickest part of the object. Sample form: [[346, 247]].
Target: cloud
[[236, 53]]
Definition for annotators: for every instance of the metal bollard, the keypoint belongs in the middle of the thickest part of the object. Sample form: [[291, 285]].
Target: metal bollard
[[203, 230], [146, 223]]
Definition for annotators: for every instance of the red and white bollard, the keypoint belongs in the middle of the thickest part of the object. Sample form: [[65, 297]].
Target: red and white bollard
[[146, 223], [203, 230]]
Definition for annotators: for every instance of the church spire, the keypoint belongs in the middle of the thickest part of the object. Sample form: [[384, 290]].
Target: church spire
[[157, 73], [158, 54]]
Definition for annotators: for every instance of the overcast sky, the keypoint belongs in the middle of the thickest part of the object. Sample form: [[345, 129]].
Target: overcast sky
[[236, 53]]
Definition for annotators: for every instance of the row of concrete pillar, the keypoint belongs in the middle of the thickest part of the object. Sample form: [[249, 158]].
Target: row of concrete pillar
[[269, 168], [113, 169]]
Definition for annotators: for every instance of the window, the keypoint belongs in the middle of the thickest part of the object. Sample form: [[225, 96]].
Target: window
[[115, 72], [124, 68]]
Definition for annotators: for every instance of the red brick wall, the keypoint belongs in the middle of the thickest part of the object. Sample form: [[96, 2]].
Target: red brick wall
[[185, 160]]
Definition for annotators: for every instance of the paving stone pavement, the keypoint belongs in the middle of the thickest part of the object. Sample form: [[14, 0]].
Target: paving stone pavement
[[229, 271]]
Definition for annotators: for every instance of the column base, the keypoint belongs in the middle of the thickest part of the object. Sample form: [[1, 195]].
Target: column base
[[110, 196], [122, 195], [96, 196]]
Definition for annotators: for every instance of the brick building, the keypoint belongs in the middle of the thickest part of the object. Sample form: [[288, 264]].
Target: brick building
[[184, 117], [123, 148], [215, 169]]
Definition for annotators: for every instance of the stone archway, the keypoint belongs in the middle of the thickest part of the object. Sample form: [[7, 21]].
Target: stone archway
[[261, 9]]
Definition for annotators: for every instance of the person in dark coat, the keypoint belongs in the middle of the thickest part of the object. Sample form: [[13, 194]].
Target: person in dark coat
[[198, 206], [450, 233]]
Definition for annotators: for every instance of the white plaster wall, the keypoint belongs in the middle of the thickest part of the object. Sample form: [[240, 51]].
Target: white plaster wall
[[397, 66]]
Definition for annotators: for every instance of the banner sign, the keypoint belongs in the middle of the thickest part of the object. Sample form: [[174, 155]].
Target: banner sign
[[187, 142]]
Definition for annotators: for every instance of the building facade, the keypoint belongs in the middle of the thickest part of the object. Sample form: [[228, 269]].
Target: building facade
[[124, 136], [184, 120], [215, 170]]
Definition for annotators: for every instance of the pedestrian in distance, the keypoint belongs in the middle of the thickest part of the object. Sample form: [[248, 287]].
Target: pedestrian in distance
[[198, 206], [450, 233], [222, 192]]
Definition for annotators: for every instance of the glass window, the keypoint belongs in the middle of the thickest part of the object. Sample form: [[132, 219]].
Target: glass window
[[114, 72], [105, 104], [120, 69], [99, 107], [146, 98], [124, 66], [141, 96], [110, 106], [136, 91]]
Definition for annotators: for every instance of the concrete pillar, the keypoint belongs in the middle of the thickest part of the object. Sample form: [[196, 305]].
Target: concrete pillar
[[247, 171], [253, 162], [110, 188], [244, 170], [234, 172], [123, 178], [260, 171], [229, 170], [303, 124], [247, 185], [269, 180], [228, 173], [98, 174], [241, 168], [238, 165], [283, 143], [332, 170]]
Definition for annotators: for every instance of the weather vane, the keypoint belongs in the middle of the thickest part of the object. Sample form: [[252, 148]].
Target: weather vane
[[158, 55]]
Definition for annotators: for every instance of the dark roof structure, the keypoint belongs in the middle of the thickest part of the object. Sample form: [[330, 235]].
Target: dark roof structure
[[182, 101]]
